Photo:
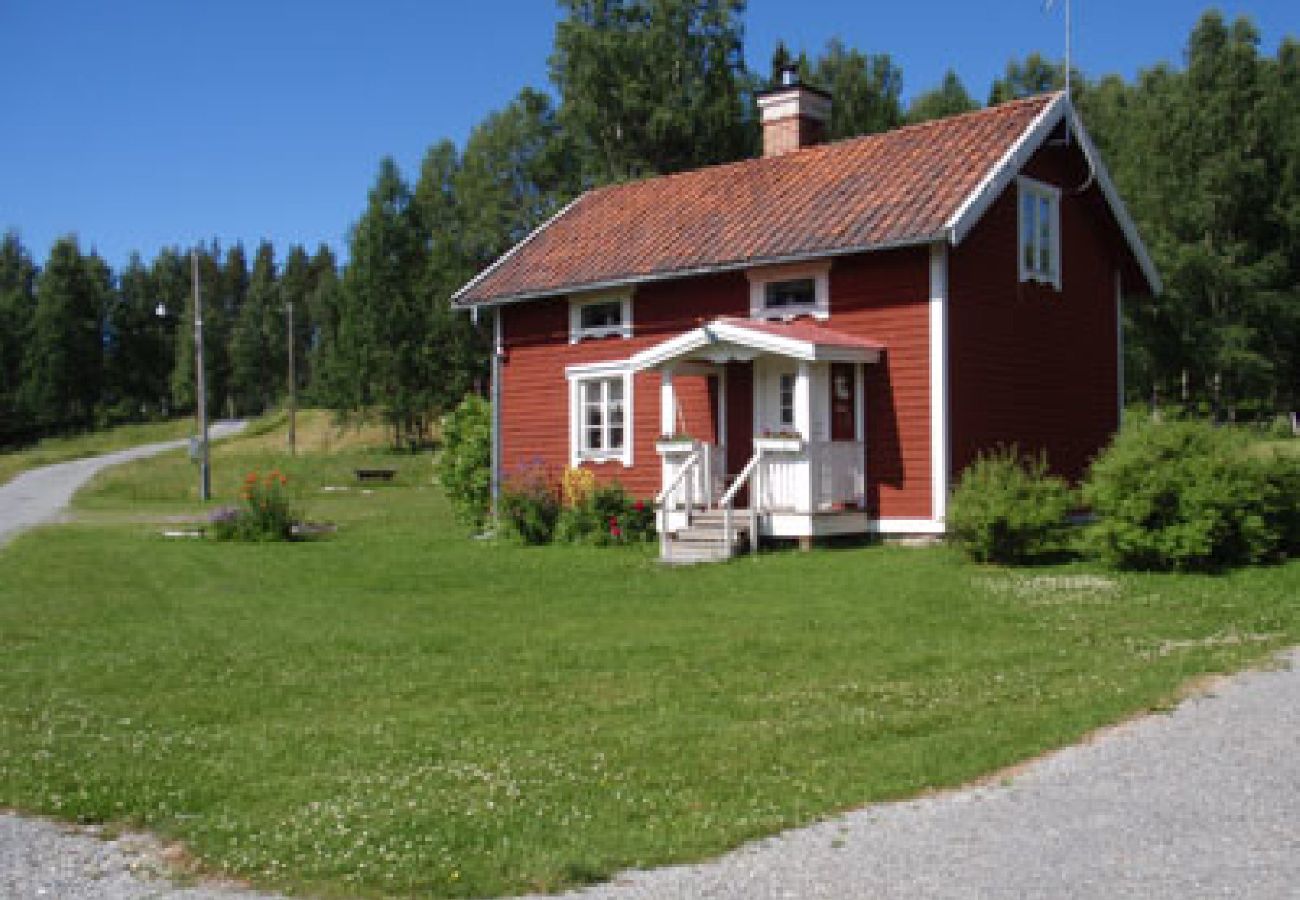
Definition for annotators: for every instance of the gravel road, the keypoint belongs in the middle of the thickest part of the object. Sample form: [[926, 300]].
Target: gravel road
[[41, 495], [1203, 802]]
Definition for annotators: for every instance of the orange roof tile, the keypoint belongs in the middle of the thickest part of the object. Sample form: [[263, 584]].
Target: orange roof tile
[[879, 190]]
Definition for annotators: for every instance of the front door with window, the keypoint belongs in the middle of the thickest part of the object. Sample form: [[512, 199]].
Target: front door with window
[[844, 402]]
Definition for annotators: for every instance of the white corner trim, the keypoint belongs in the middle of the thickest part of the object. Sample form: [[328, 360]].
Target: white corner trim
[[1119, 348], [997, 178], [579, 374], [760, 277], [501, 260], [939, 443], [578, 301]]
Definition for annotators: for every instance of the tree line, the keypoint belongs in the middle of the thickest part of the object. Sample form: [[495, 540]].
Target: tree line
[[1207, 155]]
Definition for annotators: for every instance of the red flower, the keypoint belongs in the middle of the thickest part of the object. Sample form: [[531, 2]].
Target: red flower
[[613, 522], [615, 531], [639, 505]]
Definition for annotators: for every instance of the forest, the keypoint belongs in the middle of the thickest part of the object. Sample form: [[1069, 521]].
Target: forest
[[1205, 152]]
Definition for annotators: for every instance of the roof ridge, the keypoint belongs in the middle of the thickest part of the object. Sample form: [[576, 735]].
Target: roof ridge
[[1046, 97]]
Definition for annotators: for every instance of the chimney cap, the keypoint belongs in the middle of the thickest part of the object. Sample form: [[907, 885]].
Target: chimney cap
[[790, 82]]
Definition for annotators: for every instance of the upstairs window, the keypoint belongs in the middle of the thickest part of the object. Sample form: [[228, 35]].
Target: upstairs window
[[1040, 232], [793, 294], [784, 292], [600, 317]]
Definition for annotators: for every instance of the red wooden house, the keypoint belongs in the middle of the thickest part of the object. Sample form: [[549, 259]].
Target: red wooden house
[[819, 341]]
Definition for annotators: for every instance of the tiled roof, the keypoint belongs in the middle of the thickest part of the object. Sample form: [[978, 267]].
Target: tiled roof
[[862, 193], [807, 330]]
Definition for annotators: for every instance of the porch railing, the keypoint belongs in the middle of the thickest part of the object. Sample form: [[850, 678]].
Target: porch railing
[[816, 476]]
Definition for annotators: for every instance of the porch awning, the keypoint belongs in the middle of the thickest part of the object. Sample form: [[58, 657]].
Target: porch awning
[[726, 340]]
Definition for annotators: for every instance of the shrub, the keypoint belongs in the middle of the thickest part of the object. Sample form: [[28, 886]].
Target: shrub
[[530, 504], [604, 516], [465, 464], [265, 513], [1007, 508], [1184, 495]]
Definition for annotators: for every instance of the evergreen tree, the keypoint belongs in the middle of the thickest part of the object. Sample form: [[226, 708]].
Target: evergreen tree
[[139, 348], [17, 309], [257, 351], [64, 354], [950, 98], [324, 301], [296, 286]]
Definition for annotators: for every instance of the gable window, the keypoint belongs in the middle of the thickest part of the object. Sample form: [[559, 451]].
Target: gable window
[[1040, 232], [600, 414], [784, 292], [599, 317]]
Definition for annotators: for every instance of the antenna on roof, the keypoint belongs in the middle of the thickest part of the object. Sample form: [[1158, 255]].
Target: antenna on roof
[[1047, 6]]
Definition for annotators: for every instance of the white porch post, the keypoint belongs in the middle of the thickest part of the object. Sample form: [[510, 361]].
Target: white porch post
[[803, 400], [722, 409], [803, 424], [667, 402], [860, 407]]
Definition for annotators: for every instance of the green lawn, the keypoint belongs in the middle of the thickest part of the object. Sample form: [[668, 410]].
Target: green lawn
[[398, 710], [63, 449]]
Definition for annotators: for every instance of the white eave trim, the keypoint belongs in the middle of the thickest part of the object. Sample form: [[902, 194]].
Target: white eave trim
[[1008, 167], [668, 275]]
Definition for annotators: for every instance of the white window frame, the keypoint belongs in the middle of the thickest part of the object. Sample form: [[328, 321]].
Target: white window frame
[[580, 376], [577, 302], [759, 279], [1039, 191]]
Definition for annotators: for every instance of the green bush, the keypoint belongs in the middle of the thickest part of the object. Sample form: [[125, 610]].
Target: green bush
[[1185, 495], [265, 514], [605, 516], [530, 504], [1007, 508], [465, 464]]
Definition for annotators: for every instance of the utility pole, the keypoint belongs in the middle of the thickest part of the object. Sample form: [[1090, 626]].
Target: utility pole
[[200, 384], [293, 388]]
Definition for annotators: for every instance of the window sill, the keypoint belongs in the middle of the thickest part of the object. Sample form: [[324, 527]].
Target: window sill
[[594, 335]]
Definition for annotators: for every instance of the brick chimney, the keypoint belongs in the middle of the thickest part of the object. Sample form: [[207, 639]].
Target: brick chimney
[[794, 115]]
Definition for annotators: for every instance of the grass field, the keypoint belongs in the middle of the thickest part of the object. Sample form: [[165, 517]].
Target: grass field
[[400, 711], [62, 449]]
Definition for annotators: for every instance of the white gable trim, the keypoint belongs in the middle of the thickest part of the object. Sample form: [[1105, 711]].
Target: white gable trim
[[1117, 206], [1008, 167], [737, 335], [501, 260], [996, 180]]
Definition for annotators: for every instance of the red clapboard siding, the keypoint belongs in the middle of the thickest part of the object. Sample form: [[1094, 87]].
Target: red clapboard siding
[[534, 391], [885, 296], [1029, 365]]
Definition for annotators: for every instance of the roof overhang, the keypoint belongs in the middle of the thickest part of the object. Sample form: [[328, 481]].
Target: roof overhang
[[1001, 175], [725, 340]]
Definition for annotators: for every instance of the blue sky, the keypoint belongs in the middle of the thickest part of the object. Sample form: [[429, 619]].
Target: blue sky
[[138, 124]]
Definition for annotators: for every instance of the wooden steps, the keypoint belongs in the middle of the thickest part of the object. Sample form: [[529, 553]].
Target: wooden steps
[[704, 540]]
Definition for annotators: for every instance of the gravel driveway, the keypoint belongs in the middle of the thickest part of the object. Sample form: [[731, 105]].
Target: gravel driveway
[[1203, 802]]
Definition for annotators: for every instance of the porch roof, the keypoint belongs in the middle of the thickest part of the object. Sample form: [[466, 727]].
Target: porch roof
[[727, 339]]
